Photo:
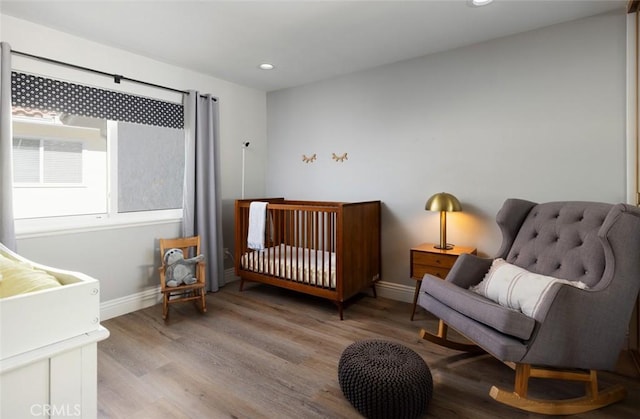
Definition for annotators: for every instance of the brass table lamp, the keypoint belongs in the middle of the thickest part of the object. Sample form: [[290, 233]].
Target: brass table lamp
[[443, 202]]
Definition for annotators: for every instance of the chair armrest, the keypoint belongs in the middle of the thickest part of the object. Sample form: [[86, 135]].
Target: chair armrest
[[574, 329], [594, 320], [468, 270]]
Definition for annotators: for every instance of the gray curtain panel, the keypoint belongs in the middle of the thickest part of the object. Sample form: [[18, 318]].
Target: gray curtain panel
[[202, 204], [7, 225]]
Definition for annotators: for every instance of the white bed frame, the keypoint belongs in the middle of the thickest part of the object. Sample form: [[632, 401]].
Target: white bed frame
[[48, 347]]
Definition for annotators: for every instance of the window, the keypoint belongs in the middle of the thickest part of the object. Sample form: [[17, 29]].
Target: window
[[70, 166], [58, 169], [88, 156]]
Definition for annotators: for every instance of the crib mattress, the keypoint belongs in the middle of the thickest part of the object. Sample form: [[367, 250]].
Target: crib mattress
[[310, 266]]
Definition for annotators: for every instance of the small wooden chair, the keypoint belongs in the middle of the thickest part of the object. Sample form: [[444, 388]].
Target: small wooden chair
[[194, 292]]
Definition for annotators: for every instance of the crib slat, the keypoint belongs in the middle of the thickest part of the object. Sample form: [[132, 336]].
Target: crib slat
[[323, 246], [303, 245], [315, 247], [297, 243]]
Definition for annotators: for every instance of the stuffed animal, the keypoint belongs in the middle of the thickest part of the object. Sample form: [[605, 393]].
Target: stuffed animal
[[178, 269]]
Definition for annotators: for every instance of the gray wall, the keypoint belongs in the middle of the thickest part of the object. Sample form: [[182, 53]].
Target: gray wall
[[124, 259], [538, 115]]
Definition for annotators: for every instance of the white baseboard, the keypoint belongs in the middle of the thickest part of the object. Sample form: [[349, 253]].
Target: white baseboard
[[127, 304], [389, 290], [147, 298], [384, 289], [394, 291], [230, 275]]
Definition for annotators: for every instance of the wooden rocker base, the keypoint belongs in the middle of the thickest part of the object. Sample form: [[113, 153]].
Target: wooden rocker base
[[592, 400], [198, 296], [441, 339], [559, 407]]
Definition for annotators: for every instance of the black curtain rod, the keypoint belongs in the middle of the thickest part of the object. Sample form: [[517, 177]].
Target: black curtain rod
[[117, 78]]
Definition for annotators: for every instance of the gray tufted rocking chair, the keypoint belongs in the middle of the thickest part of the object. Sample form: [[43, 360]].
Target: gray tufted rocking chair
[[574, 332]]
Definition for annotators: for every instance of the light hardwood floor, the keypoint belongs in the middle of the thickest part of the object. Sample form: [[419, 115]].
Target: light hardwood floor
[[270, 353]]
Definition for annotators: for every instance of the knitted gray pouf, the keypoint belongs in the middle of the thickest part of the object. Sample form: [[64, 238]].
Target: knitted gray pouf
[[385, 380]]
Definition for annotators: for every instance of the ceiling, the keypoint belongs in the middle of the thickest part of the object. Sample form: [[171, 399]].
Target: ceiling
[[305, 40]]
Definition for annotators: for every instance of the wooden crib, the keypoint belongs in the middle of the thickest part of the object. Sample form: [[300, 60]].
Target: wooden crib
[[326, 249]]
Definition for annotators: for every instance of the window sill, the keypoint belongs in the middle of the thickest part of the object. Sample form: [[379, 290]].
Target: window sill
[[42, 227]]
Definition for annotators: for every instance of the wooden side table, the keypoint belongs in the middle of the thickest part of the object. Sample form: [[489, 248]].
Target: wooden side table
[[426, 259]]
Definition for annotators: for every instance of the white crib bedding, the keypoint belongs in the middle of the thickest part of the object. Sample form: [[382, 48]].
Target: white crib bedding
[[315, 267]]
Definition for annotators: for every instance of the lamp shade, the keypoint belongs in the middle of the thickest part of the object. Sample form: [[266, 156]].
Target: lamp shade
[[443, 202]]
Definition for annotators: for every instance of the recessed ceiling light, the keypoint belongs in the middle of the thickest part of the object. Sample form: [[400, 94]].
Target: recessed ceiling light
[[479, 3], [266, 66]]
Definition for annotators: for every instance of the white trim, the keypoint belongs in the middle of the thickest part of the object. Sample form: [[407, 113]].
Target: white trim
[[230, 276], [394, 291], [384, 289], [112, 156], [632, 111], [108, 224], [130, 303], [150, 297], [147, 298]]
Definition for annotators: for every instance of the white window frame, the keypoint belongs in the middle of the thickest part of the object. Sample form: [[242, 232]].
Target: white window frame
[[35, 227]]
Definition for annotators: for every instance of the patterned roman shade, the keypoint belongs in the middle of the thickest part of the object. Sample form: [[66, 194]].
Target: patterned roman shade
[[43, 93]]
